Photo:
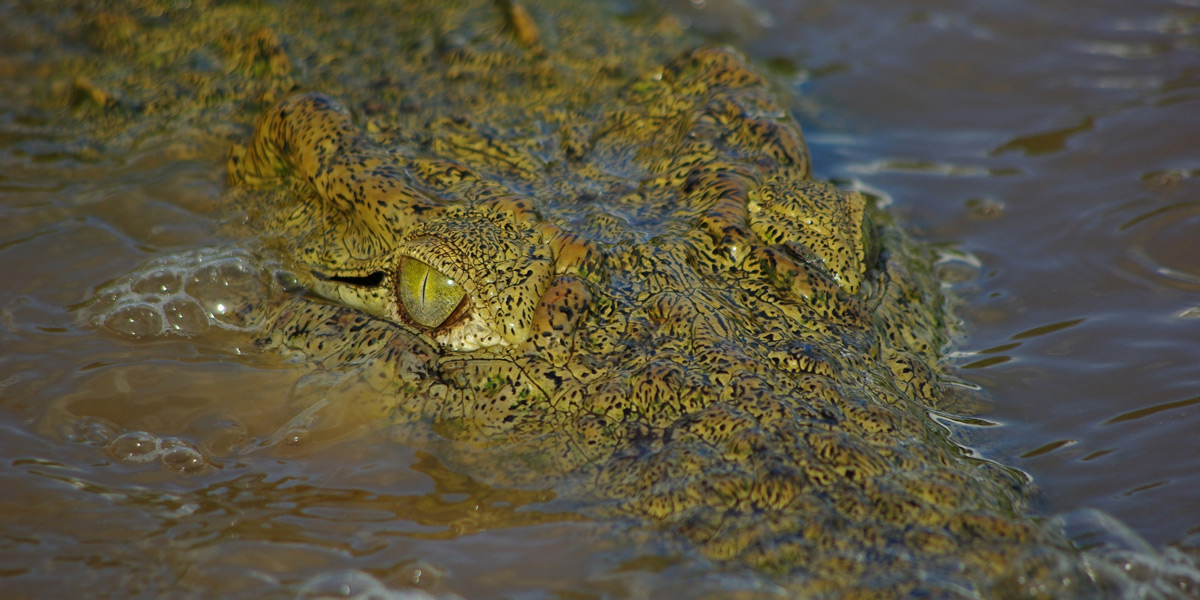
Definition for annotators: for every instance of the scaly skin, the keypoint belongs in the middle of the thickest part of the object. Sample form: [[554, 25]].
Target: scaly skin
[[660, 299], [664, 315]]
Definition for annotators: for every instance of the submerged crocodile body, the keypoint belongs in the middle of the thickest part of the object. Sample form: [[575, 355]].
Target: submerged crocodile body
[[570, 251]]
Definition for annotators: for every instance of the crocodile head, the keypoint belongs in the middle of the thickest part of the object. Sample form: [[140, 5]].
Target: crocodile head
[[636, 285]]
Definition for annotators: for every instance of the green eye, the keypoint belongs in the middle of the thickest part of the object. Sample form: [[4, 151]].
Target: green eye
[[428, 296]]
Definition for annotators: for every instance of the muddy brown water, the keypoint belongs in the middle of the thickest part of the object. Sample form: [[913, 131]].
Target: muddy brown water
[[1050, 149]]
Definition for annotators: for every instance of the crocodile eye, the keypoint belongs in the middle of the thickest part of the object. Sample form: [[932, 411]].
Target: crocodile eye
[[429, 297]]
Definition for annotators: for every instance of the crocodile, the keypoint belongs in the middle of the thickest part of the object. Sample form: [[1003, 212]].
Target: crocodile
[[571, 248]]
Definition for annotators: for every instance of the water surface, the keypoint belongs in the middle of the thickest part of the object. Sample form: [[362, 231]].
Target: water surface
[[1048, 148]]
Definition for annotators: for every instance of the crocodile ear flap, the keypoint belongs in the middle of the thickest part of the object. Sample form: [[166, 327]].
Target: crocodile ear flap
[[820, 225]]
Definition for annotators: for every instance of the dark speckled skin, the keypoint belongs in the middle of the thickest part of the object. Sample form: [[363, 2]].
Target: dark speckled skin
[[664, 309]]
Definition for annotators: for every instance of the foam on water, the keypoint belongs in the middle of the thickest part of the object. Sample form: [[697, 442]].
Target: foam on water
[[1112, 561], [357, 585], [183, 295], [1116, 552], [141, 447]]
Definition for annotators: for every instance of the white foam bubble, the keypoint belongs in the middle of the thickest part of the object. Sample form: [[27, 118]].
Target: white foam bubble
[[134, 319], [181, 456], [185, 317], [135, 447], [163, 281]]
